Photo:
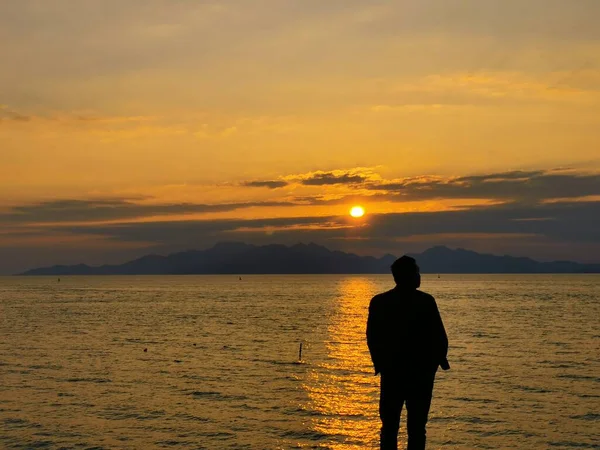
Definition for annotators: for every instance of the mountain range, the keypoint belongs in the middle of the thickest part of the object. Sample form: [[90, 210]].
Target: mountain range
[[240, 258]]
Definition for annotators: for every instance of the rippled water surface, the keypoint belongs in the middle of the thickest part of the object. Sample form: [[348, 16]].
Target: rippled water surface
[[220, 368]]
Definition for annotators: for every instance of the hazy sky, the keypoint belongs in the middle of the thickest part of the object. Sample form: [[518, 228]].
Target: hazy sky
[[137, 126]]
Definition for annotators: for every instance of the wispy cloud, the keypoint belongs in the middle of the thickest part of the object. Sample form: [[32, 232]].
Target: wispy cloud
[[8, 114], [271, 184], [74, 118]]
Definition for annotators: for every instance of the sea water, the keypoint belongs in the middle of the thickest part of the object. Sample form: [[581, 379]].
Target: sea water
[[211, 362]]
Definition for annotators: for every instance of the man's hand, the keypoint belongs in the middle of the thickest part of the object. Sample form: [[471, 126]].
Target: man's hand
[[445, 365]]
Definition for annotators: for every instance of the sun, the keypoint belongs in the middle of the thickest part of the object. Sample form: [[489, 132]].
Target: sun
[[357, 211]]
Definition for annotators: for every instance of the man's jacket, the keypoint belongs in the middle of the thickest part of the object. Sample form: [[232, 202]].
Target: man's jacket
[[405, 333]]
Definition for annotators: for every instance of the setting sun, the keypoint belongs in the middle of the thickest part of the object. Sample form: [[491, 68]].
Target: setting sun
[[357, 211]]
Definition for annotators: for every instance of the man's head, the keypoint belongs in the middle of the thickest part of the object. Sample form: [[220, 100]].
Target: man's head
[[406, 273]]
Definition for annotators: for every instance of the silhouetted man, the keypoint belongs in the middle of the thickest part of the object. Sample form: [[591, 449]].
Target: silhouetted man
[[407, 341]]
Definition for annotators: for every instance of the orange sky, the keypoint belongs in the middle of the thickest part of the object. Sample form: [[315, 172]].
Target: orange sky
[[153, 103]]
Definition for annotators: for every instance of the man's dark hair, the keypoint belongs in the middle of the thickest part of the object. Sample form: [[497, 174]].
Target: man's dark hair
[[406, 272]]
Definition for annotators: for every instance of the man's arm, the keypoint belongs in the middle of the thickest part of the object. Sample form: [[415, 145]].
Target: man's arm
[[441, 338], [373, 336]]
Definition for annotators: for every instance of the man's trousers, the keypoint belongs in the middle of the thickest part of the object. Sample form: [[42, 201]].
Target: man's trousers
[[396, 390]]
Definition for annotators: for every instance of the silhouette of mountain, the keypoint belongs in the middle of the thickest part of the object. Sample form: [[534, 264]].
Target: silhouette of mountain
[[441, 259], [240, 258]]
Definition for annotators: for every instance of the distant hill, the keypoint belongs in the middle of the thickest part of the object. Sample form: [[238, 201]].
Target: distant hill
[[240, 258]]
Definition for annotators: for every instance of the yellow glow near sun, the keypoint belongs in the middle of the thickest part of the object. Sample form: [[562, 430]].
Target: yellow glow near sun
[[357, 211]]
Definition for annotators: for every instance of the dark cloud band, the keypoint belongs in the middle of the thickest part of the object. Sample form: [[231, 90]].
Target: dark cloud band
[[113, 209], [532, 186]]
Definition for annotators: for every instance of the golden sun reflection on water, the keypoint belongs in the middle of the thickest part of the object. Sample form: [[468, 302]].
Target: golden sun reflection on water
[[343, 391]]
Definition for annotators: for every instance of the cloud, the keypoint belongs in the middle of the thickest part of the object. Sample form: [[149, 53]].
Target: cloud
[[555, 225], [562, 221], [330, 178], [7, 114], [94, 118], [511, 175], [189, 231], [351, 177], [74, 118], [73, 210], [529, 186], [271, 184], [518, 186], [569, 222]]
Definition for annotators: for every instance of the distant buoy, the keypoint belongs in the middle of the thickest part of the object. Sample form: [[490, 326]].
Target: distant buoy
[[300, 352], [145, 350]]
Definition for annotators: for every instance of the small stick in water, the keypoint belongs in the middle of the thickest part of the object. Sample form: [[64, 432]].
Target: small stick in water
[[300, 353]]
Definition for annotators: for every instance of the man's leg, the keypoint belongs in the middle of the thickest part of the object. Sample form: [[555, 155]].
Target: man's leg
[[390, 407], [418, 401]]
